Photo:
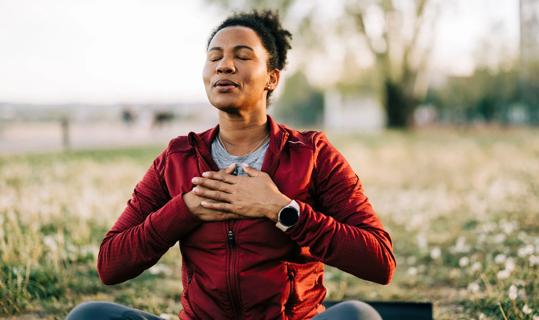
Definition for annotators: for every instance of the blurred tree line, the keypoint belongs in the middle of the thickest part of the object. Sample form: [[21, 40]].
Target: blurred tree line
[[399, 39], [485, 96]]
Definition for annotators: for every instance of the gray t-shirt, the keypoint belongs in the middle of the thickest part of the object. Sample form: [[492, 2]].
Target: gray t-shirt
[[223, 159]]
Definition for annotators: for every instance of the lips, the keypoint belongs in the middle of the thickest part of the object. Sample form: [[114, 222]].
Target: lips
[[225, 83]]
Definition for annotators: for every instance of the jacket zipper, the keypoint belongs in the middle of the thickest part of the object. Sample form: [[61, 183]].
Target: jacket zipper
[[231, 266], [232, 270], [231, 255], [230, 245]]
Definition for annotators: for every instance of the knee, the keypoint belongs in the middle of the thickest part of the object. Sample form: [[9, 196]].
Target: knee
[[88, 311], [358, 310]]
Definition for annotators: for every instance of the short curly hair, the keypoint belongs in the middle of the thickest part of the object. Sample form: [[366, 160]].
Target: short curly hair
[[268, 27]]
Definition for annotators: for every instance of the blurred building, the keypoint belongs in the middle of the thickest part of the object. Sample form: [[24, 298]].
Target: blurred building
[[529, 57], [529, 30], [352, 112]]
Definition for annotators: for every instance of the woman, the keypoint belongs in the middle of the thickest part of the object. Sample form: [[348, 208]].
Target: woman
[[254, 237]]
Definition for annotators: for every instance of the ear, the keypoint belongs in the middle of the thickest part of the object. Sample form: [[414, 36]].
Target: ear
[[273, 81]]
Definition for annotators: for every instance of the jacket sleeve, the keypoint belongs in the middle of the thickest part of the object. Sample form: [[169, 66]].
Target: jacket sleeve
[[346, 233], [149, 225]]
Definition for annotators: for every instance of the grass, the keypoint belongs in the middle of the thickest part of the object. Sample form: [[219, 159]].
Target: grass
[[462, 208]]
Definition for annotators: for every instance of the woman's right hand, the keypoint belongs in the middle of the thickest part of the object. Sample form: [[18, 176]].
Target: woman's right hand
[[193, 200]]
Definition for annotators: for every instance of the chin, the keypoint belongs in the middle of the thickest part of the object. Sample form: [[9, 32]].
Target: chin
[[229, 109], [225, 105]]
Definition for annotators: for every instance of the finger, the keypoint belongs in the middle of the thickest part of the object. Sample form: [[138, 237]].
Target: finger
[[211, 194], [220, 206], [212, 184], [230, 168], [220, 175], [219, 216], [252, 172], [227, 216]]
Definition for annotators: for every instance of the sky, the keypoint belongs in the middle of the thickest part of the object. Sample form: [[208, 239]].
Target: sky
[[144, 51]]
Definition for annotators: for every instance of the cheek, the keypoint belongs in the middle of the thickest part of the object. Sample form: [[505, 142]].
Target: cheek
[[206, 74], [258, 78]]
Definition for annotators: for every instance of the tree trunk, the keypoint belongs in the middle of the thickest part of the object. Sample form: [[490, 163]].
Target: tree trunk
[[399, 106]]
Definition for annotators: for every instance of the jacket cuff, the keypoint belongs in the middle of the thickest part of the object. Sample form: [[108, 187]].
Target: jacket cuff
[[307, 217], [172, 222]]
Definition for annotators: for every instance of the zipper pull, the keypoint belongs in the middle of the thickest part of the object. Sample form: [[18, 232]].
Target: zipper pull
[[230, 238]]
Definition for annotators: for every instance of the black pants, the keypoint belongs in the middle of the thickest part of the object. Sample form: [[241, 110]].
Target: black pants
[[98, 310]]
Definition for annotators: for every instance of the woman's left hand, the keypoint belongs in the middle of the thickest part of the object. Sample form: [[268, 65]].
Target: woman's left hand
[[253, 196]]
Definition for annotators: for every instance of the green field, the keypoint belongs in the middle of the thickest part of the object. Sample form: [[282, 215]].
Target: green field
[[462, 207]]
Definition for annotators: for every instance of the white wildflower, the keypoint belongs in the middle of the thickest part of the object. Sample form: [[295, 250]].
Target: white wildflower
[[474, 287], [51, 243], [476, 266], [500, 258], [510, 264], [499, 238], [503, 274], [422, 241], [534, 260], [526, 251], [464, 261], [157, 269], [508, 226], [412, 271], [488, 226], [522, 236], [526, 309], [435, 253], [481, 238], [513, 292], [461, 245]]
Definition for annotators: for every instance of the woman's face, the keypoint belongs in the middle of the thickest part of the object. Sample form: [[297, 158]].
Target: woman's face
[[236, 76]]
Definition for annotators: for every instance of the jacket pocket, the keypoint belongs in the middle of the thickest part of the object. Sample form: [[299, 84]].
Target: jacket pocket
[[306, 288], [185, 298], [292, 297]]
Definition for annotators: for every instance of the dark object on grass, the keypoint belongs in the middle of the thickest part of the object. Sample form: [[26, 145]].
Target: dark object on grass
[[398, 310], [161, 118]]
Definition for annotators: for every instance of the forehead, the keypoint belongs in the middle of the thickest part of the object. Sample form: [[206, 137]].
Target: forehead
[[234, 36]]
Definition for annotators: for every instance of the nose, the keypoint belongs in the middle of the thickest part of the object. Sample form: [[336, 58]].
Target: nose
[[226, 65]]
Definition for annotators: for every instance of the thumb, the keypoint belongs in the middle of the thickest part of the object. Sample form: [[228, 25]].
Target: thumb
[[252, 172]]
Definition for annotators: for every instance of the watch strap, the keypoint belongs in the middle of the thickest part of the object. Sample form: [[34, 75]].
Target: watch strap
[[292, 204]]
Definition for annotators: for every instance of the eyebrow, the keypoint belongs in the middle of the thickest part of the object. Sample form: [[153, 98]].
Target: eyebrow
[[236, 48]]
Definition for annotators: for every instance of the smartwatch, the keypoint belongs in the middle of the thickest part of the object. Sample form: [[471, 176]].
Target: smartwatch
[[288, 216]]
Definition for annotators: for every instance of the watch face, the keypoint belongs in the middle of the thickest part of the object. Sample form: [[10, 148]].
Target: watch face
[[289, 216]]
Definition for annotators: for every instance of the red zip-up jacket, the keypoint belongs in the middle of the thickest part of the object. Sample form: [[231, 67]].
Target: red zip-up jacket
[[248, 268]]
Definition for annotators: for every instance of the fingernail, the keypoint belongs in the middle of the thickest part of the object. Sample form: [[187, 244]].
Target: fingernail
[[205, 174], [203, 203], [245, 165], [195, 179]]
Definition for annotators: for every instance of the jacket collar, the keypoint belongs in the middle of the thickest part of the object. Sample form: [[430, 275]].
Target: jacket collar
[[277, 133]]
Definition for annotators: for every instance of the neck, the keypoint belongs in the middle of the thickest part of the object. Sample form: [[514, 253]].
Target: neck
[[241, 131]]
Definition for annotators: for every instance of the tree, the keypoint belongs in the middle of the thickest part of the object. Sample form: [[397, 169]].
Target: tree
[[300, 103], [400, 60], [485, 96]]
